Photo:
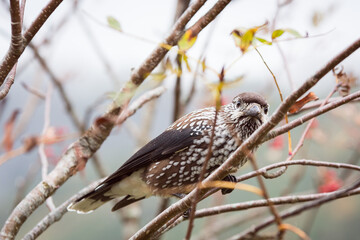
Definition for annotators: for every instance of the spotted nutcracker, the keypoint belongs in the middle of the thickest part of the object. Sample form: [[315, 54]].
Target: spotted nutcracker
[[170, 164]]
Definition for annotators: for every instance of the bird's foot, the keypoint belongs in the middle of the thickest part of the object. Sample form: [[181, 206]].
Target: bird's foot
[[228, 178]]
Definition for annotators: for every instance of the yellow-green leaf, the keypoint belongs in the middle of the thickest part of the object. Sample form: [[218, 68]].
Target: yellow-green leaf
[[187, 40], [264, 41], [246, 40], [113, 23], [185, 58], [277, 33]]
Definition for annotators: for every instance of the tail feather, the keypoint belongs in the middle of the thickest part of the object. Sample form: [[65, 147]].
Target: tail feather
[[90, 201], [86, 205], [125, 201]]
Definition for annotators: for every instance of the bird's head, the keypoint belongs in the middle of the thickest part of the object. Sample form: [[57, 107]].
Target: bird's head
[[246, 113]]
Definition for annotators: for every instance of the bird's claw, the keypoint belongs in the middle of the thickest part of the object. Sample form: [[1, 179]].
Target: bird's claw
[[228, 178]]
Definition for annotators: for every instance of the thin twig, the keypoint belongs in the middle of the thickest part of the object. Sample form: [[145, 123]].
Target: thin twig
[[266, 196], [44, 162], [33, 91], [281, 98], [145, 98]]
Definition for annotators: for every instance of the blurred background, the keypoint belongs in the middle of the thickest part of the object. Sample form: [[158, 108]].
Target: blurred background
[[92, 61]]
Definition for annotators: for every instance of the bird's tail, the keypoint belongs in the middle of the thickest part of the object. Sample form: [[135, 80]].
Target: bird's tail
[[90, 201]]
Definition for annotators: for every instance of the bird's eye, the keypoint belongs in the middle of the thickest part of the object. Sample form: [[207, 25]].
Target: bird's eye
[[266, 109], [238, 104]]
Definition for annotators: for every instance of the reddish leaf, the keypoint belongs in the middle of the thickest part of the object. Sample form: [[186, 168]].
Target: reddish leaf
[[225, 100], [299, 104], [277, 143], [8, 139], [330, 182]]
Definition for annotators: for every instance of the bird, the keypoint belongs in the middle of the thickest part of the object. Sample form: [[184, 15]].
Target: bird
[[170, 164]]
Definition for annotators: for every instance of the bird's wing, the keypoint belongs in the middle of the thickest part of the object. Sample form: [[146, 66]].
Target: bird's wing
[[162, 147]]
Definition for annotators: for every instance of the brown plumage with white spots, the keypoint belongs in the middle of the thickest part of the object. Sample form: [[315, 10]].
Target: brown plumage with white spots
[[170, 164]]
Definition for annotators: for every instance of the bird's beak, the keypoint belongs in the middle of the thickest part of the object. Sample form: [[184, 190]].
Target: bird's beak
[[253, 111]]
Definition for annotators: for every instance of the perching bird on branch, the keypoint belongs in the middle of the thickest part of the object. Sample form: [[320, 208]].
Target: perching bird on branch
[[170, 164]]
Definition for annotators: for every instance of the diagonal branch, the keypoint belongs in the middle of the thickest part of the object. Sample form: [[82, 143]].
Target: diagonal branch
[[58, 213]]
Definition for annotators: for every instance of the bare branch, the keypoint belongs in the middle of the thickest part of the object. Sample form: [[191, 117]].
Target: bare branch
[[58, 213], [297, 210], [206, 212], [146, 97], [278, 200], [13, 54], [15, 45], [44, 162]]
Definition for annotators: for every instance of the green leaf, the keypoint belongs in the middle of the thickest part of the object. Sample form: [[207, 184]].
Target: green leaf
[[264, 41], [113, 23], [277, 33]]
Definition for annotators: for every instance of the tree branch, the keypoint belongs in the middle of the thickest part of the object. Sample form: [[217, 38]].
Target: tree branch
[[14, 52], [58, 213], [297, 210], [15, 44]]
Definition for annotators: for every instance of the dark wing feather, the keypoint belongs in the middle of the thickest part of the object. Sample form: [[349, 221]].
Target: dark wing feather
[[162, 147]]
